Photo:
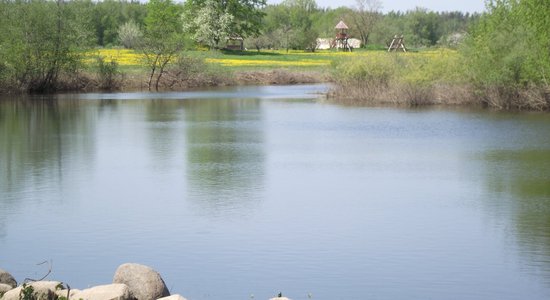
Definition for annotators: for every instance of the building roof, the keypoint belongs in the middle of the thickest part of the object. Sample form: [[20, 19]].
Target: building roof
[[341, 25]]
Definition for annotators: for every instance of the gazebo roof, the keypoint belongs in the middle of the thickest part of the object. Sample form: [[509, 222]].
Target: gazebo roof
[[341, 25]]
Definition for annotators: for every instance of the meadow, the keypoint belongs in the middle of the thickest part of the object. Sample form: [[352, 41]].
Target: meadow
[[265, 59], [365, 77]]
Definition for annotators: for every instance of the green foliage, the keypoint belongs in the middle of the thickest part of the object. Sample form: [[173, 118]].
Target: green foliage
[[163, 38], [245, 15], [277, 26], [108, 74], [423, 25], [368, 70], [258, 43], [324, 20], [41, 41], [130, 35], [429, 77], [27, 292], [289, 25], [297, 23], [109, 15], [303, 35], [383, 69], [189, 71], [507, 52], [163, 19], [365, 16], [211, 24], [420, 27]]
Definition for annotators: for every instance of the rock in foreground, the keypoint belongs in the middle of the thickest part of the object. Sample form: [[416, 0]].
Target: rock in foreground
[[173, 297], [6, 278], [103, 292], [144, 282], [41, 289], [4, 288]]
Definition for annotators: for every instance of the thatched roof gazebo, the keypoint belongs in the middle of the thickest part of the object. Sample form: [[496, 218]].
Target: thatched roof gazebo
[[341, 40], [341, 25]]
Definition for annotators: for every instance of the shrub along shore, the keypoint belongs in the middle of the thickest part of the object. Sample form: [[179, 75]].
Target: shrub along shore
[[127, 70], [441, 77], [427, 77], [374, 77]]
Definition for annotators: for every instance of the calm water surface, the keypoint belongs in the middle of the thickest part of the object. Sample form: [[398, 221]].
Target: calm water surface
[[243, 193]]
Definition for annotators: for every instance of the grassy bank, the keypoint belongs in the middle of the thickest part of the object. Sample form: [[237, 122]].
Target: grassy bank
[[437, 77], [367, 77], [209, 68], [422, 78]]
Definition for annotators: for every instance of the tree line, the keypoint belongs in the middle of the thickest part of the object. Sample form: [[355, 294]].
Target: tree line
[[294, 23], [42, 41]]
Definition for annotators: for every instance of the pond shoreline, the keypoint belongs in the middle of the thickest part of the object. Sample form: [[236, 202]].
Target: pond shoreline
[[359, 92], [203, 80], [138, 82]]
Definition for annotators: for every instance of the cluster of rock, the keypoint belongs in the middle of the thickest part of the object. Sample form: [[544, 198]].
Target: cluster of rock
[[131, 282]]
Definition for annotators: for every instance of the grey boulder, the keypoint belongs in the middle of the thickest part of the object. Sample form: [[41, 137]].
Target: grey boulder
[[41, 290], [101, 292], [6, 278], [173, 297], [67, 293], [4, 288], [144, 282]]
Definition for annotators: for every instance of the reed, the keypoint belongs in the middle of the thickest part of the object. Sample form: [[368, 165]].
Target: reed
[[410, 79], [433, 78]]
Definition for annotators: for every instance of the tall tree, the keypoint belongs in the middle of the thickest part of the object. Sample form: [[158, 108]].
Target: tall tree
[[424, 27], [509, 51], [365, 16], [110, 15], [277, 26], [246, 15], [210, 25], [129, 34], [163, 38], [300, 13], [40, 41]]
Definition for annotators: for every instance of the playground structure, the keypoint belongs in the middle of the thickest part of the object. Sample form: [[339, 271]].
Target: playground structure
[[397, 44], [342, 38]]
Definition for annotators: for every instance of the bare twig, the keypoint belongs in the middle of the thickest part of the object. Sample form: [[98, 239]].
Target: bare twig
[[44, 277]]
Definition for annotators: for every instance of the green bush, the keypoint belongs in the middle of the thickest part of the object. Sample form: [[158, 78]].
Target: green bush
[[506, 55], [369, 70], [41, 42], [108, 75], [130, 35], [429, 77]]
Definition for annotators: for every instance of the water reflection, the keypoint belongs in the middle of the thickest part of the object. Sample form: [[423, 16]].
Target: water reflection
[[377, 202], [522, 177], [165, 126], [38, 140], [225, 153]]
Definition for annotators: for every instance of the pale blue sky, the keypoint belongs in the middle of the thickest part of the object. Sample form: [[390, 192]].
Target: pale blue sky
[[403, 5]]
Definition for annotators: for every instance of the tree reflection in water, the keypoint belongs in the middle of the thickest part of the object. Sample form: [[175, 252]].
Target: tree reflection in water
[[523, 176], [225, 153], [36, 134]]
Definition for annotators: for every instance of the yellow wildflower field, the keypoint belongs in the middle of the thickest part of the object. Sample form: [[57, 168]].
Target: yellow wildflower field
[[124, 57], [268, 58], [265, 62]]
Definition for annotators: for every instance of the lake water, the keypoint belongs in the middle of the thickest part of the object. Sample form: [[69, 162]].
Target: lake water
[[246, 192]]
